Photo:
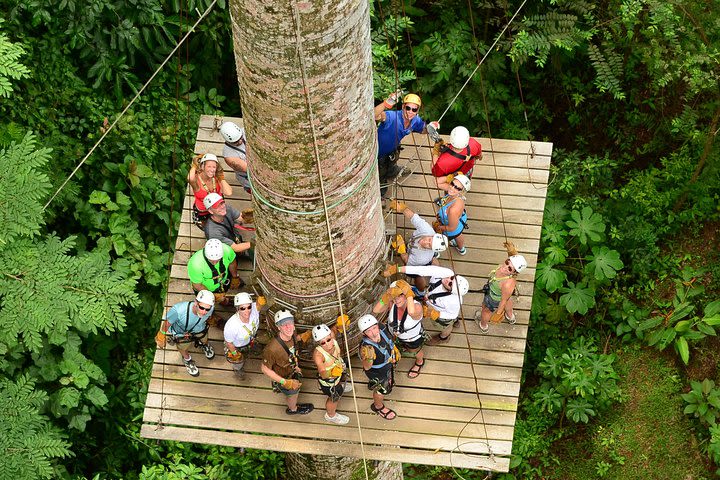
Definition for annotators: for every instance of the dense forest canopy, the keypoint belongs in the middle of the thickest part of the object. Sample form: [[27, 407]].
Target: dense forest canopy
[[627, 90]]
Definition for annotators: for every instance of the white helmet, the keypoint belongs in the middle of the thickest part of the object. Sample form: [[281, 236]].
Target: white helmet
[[208, 157], [518, 262], [205, 296], [464, 180], [211, 199], [282, 317], [242, 298], [463, 285], [459, 137], [231, 132], [213, 249], [439, 242], [366, 321], [320, 331]]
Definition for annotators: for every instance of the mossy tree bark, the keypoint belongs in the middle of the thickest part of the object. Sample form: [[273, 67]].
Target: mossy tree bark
[[305, 76]]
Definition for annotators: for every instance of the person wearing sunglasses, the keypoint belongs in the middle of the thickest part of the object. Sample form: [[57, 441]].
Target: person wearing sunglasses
[[422, 247], [393, 126], [332, 378], [280, 363], [451, 217], [214, 268], [185, 325], [379, 356], [240, 331], [444, 297], [497, 302], [235, 152], [458, 156], [205, 176], [224, 223], [404, 319]]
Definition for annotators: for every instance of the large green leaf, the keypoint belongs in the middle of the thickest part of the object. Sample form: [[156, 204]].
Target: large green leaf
[[586, 225], [683, 349], [555, 254], [554, 233], [577, 298], [604, 263], [549, 278], [555, 211]]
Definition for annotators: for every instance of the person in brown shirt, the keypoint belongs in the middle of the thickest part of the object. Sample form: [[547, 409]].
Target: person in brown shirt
[[280, 363]]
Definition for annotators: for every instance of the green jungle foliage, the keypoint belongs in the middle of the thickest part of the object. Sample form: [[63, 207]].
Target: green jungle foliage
[[627, 90]]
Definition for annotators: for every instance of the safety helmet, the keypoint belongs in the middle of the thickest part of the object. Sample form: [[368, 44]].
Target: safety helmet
[[231, 132], [518, 262], [459, 137], [213, 249], [439, 242], [208, 157], [211, 199], [283, 316], [366, 321], [320, 331], [205, 296], [412, 98], [463, 285], [242, 298], [464, 180]]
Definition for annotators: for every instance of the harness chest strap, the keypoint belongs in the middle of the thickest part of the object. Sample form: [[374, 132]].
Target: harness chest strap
[[386, 354]]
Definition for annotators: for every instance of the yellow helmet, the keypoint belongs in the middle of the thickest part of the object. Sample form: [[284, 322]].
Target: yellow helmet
[[412, 98]]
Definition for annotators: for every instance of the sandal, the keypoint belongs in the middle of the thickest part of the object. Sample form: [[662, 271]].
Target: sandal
[[384, 412], [416, 369]]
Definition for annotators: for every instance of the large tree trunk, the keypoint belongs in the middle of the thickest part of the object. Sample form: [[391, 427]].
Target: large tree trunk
[[304, 70]]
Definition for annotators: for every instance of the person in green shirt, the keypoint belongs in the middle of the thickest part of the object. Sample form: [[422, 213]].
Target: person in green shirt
[[214, 268]]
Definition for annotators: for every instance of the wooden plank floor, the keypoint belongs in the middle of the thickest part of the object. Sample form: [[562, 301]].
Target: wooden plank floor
[[441, 419]]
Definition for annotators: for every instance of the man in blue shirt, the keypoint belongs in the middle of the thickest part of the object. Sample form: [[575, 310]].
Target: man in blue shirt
[[393, 126], [186, 324]]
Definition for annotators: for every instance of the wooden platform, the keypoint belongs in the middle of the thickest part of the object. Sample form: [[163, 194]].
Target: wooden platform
[[440, 421]]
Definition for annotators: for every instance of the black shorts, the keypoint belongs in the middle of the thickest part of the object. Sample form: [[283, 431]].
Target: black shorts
[[333, 392], [380, 380], [414, 345]]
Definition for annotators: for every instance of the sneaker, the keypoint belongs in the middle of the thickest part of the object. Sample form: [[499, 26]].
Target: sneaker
[[461, 251], [192, 369], [207, 349], [338, 419], [301, 409], [453, 243], [347, 387], [511, 320]]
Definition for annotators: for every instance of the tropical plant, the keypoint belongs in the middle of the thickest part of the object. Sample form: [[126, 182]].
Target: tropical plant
[[703, 401]]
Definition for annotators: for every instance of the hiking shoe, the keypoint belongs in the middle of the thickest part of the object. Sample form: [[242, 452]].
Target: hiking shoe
[[301, 409], [207, 349], [192, 369], [461, 251], [437, 340], [347, 387], [338, 419]]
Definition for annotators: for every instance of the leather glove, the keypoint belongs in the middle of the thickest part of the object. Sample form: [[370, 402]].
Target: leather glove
[[392, 99], [394, 292], [336, 371], [397, 206], [160, 339], [291, 384], [386, 298], [261, 301], [367, 352], [248, 215], [431, 313], [398, 244], [234, 356], [305, 336], [342, 322], [390, 270], [195, 162], [497, 317], [450, 178], [405, 288], [434, 124], [396, 354], [220, 174], [235, 283], [437, 226], [511, 248], [436, 150], [219, 297]]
